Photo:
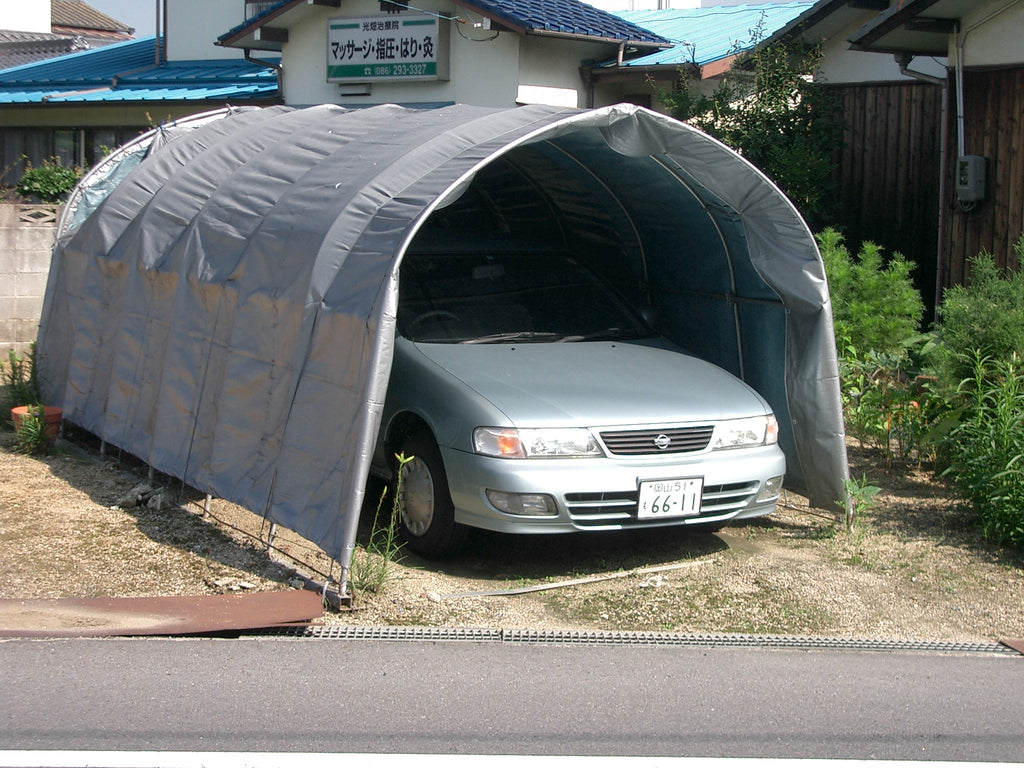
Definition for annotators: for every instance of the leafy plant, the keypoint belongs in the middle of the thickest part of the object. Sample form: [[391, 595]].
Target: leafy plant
[[21, 385], [372, 566], [770, 108], [876, 310], [986, 448], [860, 495], [985, 316], [50, 182], [875, 306], [32, 434]]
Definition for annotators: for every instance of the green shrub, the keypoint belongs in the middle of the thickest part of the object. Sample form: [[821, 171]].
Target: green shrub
[[986, 449], [875, 306], [986, 316], [50, 182], [773, 109], [876, 311]]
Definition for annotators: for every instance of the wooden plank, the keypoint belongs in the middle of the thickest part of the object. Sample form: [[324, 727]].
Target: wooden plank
[[989, 131], [870, 152], [999, 189], [903, 194], [1015, 164], [954, 218]]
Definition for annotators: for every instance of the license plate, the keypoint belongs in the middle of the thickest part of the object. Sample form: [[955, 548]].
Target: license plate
[[670, 498]]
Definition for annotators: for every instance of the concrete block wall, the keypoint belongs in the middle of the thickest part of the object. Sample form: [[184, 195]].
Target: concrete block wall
[[27, 233]]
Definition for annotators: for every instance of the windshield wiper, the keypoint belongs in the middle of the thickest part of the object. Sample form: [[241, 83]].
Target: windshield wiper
[[504, 338], [606, 334]]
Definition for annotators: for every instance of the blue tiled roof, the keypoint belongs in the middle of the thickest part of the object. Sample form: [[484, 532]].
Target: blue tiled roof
[[703, 35], [126, 72], [568, 17], [565, 17]]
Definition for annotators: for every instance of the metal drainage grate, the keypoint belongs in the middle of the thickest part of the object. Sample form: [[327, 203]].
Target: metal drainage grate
[[750, 641], [558, 637], [446, 634]]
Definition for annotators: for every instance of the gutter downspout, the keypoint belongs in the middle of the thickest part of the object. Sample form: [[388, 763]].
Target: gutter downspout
[[160, 26], [587, 76], [278, 68]]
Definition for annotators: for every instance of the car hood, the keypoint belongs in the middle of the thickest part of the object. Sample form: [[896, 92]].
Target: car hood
[[596, 383]]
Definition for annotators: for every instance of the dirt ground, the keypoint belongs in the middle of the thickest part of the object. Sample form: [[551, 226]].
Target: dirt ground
[[914, 568]]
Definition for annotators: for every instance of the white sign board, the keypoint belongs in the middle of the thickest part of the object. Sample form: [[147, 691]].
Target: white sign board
[[392, 47]]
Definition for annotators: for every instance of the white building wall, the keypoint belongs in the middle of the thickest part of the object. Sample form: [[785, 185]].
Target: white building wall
[[841, 65], [992, 38], [484, 73], [194, 25], [487, 68], [22, 16], [555, 64]]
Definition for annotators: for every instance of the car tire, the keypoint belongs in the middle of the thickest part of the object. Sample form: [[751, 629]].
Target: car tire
[[424, 504]]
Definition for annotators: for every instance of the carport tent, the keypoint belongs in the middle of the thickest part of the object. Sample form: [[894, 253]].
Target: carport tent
[[224, 308]]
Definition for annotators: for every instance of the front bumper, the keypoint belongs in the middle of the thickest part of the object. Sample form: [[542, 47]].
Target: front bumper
[[601, 494]]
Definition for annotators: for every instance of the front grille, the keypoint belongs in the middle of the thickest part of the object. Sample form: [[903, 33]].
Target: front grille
[[647, 442], [618, 509]]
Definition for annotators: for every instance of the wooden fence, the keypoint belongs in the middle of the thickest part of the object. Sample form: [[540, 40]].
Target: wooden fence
[[993, 128], [888, 170]]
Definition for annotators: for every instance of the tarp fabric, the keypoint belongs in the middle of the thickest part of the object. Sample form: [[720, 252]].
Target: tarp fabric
[[225, 309]]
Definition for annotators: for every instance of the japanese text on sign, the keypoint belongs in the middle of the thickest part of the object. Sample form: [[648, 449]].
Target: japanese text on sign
[[382, 48]]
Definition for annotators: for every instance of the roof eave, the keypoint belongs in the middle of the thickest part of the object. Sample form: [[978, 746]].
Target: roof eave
[[829, 14], [597, 39], [258, 34], [255, 34], [905, 29]]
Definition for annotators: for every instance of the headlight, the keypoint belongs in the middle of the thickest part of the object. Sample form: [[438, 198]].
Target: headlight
[[508, 443], [744, 433]]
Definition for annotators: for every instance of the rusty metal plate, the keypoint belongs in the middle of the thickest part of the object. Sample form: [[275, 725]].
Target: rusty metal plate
[[188, 615]]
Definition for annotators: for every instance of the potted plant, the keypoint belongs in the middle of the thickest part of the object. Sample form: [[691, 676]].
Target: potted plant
[[36, 425]]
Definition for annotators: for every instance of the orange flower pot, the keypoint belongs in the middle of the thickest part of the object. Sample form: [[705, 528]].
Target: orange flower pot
[[51, 418]]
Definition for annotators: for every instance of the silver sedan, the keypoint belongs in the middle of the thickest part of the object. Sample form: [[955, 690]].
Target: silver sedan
[[532, 399]]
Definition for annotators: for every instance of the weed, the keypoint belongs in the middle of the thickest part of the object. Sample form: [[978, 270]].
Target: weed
[[860, 497], [33, 438], [987, 448], [50, 182], [372, 567], [19, 379]]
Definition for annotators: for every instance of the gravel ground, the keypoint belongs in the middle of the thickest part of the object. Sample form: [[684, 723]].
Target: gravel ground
[[913, 569]]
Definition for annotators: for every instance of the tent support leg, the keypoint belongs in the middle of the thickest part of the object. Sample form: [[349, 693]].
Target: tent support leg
[[271, 535], [206, 505]]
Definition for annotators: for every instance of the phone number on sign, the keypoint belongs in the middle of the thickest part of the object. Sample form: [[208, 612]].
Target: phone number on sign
[[400, 70]]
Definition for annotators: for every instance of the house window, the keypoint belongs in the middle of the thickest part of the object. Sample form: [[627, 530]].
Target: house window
[[84, 147], [256, 7]]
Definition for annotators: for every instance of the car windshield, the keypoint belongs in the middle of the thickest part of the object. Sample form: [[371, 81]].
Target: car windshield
[[481, 298]]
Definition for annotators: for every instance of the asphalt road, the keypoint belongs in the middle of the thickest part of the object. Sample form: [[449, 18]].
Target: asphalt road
[[329, 695]]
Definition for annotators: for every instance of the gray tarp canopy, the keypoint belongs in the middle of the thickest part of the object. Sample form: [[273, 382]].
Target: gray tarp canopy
[[224, 308]]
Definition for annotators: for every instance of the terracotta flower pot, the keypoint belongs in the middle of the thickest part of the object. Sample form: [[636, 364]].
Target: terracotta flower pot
[[51, 418]]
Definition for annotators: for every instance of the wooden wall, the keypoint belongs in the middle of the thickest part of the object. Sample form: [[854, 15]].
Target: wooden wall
[[888, 169], [993, 128]]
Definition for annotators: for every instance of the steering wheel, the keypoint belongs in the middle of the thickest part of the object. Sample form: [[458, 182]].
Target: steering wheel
[[433, 314]]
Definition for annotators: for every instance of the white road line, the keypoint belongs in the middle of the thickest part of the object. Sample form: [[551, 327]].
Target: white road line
[[88, 759]]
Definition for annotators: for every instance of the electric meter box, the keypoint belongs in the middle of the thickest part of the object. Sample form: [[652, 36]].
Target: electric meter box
[[970, 178]]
